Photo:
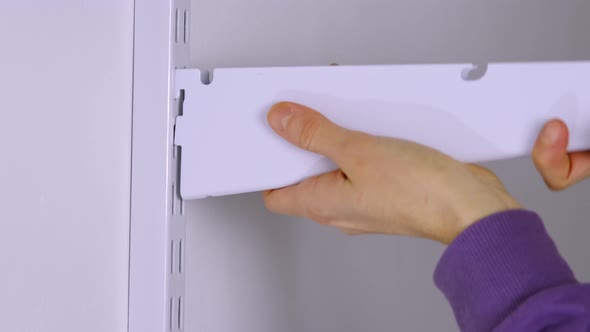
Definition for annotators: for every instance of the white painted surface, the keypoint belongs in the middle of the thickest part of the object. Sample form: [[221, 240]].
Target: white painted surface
[[428, 104], [248, 270], [156, 279], [65, 111]]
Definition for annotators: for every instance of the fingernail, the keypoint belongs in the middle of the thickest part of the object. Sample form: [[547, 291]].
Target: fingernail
[[279, 116], [550, 135]]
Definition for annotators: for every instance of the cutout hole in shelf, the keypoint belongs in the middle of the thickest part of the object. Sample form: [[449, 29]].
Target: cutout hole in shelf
[[474, 73], [206, 77]]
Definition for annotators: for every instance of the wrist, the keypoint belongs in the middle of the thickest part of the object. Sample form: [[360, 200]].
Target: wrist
[[480, 210]]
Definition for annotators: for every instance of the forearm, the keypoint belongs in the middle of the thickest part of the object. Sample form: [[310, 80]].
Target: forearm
[[505, 270]]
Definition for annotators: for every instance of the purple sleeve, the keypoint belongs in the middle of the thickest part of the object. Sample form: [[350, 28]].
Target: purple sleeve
[[504, 273]]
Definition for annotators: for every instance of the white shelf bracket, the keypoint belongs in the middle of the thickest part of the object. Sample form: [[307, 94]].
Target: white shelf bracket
[[474, 113]]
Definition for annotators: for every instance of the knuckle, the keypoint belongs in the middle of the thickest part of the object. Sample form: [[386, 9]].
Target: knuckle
[[357, 141], [484, 173], [319, 213], [315, 207], [361, 150], [361, 202], [361, 163], [308, 132]]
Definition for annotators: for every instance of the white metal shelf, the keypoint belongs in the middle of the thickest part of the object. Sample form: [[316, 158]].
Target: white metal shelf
[[474, 114]]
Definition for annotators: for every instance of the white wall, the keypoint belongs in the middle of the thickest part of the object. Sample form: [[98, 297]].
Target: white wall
[[248, 270], [65, 124]]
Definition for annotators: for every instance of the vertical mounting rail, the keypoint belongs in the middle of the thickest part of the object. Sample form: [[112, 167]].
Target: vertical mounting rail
[[157, 221]]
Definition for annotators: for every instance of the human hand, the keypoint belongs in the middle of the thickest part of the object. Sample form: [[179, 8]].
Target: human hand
[[384, 185], [559, 169]]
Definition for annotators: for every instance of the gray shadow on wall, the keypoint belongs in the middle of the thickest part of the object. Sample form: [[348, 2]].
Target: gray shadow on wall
[[356, 32], [241, 265], [250, 270]]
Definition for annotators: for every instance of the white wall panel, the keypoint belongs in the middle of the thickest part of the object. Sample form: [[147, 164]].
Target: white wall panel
[[65, 125]]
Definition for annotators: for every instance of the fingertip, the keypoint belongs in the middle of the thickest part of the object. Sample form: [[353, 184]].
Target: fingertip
[[555, 132], [278, 106], [279, 115], [550, 155], [551, 145], [284, 201], [543, 156], [310, 130]]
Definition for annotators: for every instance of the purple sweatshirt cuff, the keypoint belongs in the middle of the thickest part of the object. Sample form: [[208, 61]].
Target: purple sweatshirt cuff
[[495, 265]]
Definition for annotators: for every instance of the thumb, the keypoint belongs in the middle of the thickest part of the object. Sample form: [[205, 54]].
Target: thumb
[[550, 154], [559, 168], [310, 130]]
